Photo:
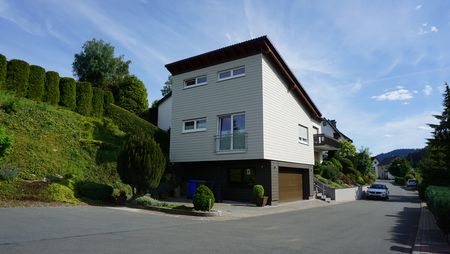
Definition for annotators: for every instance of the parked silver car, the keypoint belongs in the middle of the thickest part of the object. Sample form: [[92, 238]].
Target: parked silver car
[[377, 191], [411, 183]]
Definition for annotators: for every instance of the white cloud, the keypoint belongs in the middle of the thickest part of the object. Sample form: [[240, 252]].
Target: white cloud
[[427, 90], [397, 95], [418, 7], [434, 29], [387, 135], [405, 103], [15, 16]]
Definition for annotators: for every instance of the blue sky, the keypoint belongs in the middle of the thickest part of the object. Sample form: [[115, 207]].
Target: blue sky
[[377, 67]]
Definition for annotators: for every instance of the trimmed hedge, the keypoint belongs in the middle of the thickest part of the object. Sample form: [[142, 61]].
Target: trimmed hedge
[[97, 101], [17, 75], [258, 191], [95, 191], [36, 83], [67, 89], [108, 100], [3, 64], [84, 98], [203, 199], [438, 201], [399, 180], [60, 193], [51, 94]]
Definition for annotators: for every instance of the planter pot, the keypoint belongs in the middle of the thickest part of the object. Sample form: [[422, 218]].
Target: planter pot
[[262, 201]]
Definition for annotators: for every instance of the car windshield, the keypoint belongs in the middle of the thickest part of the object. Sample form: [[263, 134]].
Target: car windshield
[[378, 186], [412, 181]]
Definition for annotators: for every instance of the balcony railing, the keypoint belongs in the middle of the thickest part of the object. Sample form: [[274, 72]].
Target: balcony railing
[[235, 142], [322, 140]]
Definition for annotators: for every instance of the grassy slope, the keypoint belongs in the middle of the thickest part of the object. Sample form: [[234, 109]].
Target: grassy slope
[[51, 140]]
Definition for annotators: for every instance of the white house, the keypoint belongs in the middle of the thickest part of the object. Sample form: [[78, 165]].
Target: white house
[[240, 117]]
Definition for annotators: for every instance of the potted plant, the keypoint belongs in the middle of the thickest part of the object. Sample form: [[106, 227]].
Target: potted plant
[[258, 191]]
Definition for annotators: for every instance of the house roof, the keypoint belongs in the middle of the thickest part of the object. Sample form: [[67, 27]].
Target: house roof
[[333, 125], [260, 45], [167, 96]]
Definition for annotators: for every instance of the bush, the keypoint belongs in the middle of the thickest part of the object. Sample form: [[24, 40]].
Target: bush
[[2, 72], [132, 95], [438, 201], [399, 180], [409, 176], [146, 200], [317, 168], [329, 170], [203, 198], [360, 180], [337, 164], [141, 163], [51, 94], [17, 75], [36, 83], [97, 102], [258, 191], [94, 191], [67, 89], [58, 192], [9, 173], [84, 98], [6, 142], [345, 179], [69, 183]]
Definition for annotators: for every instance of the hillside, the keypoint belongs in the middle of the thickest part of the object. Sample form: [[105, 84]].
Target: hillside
[[51, 140], [413, 155]]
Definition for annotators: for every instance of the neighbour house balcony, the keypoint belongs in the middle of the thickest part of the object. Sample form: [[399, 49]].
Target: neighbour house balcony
[[323, 142], [229, 143]]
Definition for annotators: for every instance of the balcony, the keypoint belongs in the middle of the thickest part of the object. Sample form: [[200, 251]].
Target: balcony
[[231, 143], [323, 142]]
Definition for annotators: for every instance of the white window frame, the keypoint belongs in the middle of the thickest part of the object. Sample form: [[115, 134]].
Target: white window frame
[[303, 140], [231, 150], [196, 82], [231, 73], [196, 129]]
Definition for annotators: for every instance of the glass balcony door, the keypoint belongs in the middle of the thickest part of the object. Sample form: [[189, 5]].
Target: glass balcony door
[[232, 132]]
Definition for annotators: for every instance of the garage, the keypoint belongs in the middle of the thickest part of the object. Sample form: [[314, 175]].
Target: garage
[[290, 184]]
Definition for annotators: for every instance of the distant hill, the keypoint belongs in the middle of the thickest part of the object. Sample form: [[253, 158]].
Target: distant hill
[[413, 155]]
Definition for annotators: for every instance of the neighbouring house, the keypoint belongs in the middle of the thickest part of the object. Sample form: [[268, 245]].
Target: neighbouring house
[[328, 140], [382, 168], [240, 117], [161, 113], [379, 170]]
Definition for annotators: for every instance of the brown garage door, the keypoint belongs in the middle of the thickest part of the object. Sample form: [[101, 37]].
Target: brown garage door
[[290, 184]]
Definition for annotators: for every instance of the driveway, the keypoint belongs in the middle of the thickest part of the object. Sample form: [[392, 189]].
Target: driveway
[[354, 227]]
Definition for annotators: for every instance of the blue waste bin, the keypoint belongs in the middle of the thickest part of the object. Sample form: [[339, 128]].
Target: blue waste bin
[[192, 187]]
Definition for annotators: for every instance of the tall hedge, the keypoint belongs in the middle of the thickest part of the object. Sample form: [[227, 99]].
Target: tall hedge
[[97, 101], [108, 100], [51, 94], [438, 201], [3, 63], [36, 83], [67, 89], [17, 75], [84, 98]]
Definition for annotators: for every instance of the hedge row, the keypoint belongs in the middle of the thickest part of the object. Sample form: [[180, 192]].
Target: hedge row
[[438, 201], [36, 83], [2, 71], [97, 101], [17, 75], [52, 95], [67, 89], [84, 98]]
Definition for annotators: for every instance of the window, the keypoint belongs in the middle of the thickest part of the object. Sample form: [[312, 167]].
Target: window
[[231, 133], [198, 81], [242, 176], [302, 134], [194, 125], [233, 73]]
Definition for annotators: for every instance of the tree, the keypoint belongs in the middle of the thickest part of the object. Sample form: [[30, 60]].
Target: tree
[[97, 64], [362, 161], [167, 88], [132, 95], [399, 167], [141, 163], [346, 150]]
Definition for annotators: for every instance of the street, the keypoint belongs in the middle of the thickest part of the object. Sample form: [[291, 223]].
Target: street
[[364, 226]]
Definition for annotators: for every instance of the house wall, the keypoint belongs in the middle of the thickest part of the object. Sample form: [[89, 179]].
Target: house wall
[[282, 113], [165, 114], [243, 94]]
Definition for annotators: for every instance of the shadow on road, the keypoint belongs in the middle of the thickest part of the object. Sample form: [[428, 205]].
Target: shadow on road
[[403, 199], [404, 230]]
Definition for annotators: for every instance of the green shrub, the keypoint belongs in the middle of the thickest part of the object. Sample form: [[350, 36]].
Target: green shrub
[[60, 193], [6, 142], [94, 191], [97, 102], [9, 173], [3, 63], [438, 201], [17, 75], [146, 200], [51, 94], [318, 168], [84, 98], [399, 180], [337, 164], [203, 198], [9, 107], [360, 180], [69, 183], [329, 170], [132, 95], [258, 191], [67, 89], [129, 122], [141, 163], [36, 83], [409, 176], [108, 99]]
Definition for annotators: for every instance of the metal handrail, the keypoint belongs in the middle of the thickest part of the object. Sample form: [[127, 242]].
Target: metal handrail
[[232, 138], [319, 185]]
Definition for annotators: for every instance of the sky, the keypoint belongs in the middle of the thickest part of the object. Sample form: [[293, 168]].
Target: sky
[[377, 67]]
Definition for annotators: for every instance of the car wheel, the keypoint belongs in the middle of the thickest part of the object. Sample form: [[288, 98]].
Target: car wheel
[[386, 198]]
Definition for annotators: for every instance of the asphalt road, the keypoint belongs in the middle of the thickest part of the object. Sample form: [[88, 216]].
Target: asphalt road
[[355, 227]]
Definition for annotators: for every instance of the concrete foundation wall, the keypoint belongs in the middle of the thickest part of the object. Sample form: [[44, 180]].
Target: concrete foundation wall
[[345, 195]]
